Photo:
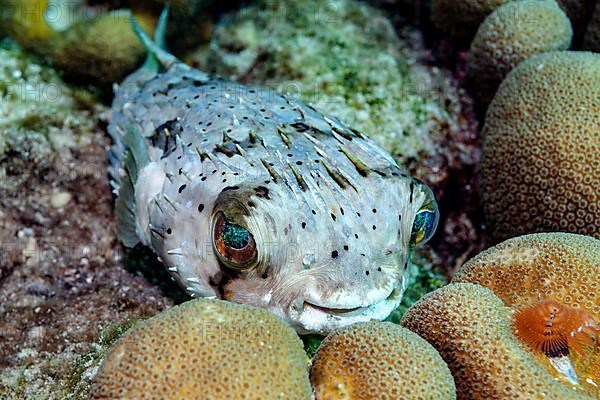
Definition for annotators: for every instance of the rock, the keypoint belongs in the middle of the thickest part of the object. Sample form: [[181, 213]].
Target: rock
[[60, 199], [62, 278]]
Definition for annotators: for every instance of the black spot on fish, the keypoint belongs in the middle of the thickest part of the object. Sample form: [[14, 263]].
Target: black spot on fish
[[200, 207], [367, 273], [169, 231], [374, 211], [333, 216], [374, 227], [181, 188], [300, 126], [164, 138], [263, 192], [228, 188], [334, 254], [346, 247], [304, 225], [198, 83]]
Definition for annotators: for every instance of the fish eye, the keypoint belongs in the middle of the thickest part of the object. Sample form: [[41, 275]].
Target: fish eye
[[425, 223], [234, 244]]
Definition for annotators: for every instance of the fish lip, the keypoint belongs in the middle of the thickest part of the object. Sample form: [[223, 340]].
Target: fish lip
[[330, 310], [350, 309], [322, 320]]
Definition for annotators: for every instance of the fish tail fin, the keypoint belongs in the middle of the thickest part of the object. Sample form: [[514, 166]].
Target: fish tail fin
[[158, 57], [135, 159]]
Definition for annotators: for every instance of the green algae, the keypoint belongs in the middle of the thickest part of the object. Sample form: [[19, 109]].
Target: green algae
[[39, 113], [73, 380], [425, 277], [343, 57]]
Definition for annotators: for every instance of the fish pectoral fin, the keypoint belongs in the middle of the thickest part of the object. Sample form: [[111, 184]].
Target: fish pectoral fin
[[136, 158]]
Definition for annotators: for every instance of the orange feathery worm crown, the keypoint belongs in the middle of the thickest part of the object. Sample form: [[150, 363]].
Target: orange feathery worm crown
[[555, 329]]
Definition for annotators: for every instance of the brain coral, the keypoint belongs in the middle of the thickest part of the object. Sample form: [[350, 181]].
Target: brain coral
[[473, 331], [379, 360], [207, 349], [460, 18], [505, 39], [540, 169]]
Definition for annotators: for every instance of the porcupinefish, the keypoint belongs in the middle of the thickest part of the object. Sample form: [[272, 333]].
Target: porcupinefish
[[253, 196]]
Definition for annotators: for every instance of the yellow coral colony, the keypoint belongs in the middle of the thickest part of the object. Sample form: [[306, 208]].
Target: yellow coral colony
[[379, 360], [474, 333], [209, 350], [540, 170], [560, 268], [509, 36]]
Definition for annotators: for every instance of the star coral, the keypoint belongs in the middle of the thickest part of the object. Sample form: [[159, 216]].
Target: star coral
[[530, 268], [473, 331], [207, 349], [540, 168], [509, 36], [379, 360]]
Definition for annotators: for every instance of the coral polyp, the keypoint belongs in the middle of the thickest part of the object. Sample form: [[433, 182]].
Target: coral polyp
[[555, 329]]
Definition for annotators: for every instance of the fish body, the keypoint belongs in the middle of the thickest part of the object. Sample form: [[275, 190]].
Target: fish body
[[253, 196]]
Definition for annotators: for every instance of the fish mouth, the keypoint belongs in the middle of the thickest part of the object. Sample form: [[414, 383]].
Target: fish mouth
[[345, 310], [330, 310], [315, 318]]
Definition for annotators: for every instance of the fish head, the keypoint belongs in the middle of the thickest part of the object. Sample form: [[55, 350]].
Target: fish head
[[318, 262]]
